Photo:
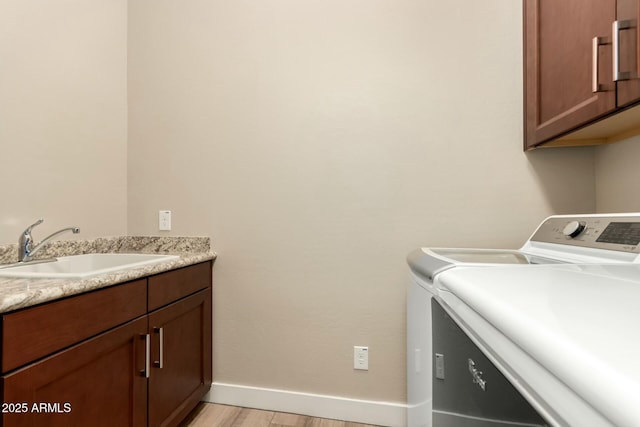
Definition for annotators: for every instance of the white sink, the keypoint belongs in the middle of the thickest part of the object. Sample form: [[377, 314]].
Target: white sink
[[79, 266]]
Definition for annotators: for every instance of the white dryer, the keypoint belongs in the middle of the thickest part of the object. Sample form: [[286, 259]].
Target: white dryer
[[561, 242]]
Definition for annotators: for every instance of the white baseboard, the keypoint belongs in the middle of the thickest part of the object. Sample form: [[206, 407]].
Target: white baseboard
[[316, 405]]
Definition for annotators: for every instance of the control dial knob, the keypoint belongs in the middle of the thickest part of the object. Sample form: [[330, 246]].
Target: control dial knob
[[574, 228]]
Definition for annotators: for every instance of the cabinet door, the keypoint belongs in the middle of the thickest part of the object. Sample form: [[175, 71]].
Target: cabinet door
[[629, 90], [181, 358], [100, 382], [560, 66]]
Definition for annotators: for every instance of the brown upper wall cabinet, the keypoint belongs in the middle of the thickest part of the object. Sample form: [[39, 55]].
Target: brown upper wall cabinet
[[581, 63]]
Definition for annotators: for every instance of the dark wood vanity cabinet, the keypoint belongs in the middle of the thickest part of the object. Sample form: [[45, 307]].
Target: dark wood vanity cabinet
[[106, 358], [571, 49]]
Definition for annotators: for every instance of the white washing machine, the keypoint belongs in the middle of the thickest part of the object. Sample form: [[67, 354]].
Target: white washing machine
[[566, 243], [565, 337]]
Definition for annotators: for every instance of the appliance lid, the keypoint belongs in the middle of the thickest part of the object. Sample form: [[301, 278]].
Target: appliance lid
[[490, 256], [427, 262]]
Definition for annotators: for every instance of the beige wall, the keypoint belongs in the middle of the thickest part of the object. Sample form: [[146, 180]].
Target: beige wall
[[618, 176], [318, 143], [63, 116]]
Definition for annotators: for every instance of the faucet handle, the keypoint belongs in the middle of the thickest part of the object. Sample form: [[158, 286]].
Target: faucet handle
[[27, 231]]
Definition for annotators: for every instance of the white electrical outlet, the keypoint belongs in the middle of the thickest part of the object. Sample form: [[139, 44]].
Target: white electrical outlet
[[164, 220], [361, 357]]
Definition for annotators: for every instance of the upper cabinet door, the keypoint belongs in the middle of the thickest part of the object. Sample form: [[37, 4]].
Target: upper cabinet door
[[568, 65], [627, 15]]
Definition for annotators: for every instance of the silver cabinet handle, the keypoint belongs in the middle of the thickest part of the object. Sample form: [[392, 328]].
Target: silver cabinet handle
[[617, 27], [147, 355], [596, 42], [160, 363]]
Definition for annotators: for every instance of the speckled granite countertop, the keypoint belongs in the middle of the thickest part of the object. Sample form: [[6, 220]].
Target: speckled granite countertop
[[18, 293]]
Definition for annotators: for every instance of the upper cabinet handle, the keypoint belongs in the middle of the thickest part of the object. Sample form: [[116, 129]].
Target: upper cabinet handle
[[617, 27], [595, 63]]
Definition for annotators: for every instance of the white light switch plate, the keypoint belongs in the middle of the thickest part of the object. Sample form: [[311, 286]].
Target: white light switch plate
[[164, 220], [361, 358]]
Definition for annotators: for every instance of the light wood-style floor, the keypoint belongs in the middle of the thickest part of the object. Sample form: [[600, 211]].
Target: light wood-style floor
[[215, 415]]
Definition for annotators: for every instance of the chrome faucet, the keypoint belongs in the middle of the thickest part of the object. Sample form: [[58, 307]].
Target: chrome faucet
[[26, 250]]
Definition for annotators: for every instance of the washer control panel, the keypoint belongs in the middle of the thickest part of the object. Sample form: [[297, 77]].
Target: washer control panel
[[618, 233]]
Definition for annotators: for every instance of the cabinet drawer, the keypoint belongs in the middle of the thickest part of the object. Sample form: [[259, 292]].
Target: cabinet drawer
[[33, 333], [168, 287]]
